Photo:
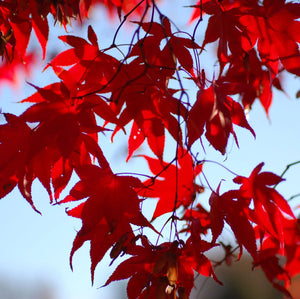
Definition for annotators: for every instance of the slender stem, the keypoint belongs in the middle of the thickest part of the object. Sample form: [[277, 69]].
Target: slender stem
[[286, 169]]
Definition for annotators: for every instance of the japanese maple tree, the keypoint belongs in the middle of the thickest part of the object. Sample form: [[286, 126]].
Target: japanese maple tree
[[156, 91]]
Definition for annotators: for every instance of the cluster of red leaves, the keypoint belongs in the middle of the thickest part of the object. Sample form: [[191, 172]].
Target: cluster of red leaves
[[159, 271], [58, 135], [60, 129], [271, 28], [18, 18], [258, 209], [143, 87]]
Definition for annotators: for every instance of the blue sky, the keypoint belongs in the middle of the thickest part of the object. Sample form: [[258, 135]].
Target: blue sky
[[35, 249]]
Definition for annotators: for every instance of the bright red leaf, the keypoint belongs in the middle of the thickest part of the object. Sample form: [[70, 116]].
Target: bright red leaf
[[269, 205], [111, 205], [173, 186]]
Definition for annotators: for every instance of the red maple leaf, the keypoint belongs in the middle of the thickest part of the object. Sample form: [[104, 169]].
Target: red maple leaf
[[231, 208], [174, 186], [216, 112], [152, 113], [86, 63], [269, 205], [111, 205]]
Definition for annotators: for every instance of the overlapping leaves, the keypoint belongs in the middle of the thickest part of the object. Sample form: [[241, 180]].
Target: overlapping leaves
[[271, 28], [58, 135], [18, 18], [157, 271], [109, 208], [216, 112]]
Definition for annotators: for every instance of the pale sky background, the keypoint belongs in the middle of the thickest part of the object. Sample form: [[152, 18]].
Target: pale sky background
[[35, 249]]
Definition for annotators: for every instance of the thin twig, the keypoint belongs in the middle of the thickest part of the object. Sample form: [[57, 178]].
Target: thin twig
[[286, 169]]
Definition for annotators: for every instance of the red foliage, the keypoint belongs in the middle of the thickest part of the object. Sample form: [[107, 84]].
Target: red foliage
[[157, 271], [58, 135], [102, 223], [174, 186], [219, 113]]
